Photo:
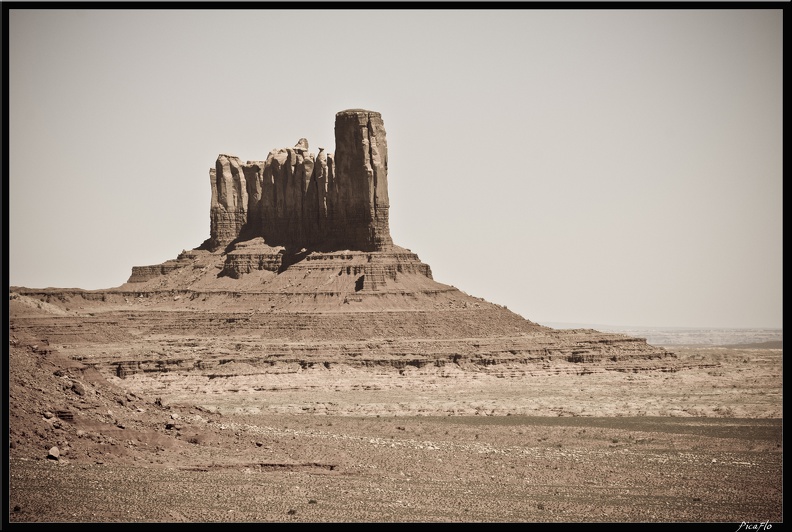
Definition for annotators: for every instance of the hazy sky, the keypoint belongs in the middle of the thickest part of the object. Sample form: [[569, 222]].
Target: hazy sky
[[619, 167]]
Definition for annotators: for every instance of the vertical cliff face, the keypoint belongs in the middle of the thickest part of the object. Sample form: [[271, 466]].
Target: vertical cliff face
[[229, 207], [300, 200], [361, 158], [314, 213], [283, 210]]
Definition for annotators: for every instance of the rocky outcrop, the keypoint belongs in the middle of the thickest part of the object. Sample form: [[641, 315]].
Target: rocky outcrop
[[252, 255], [229, 208], [367, 270], [283, 215], [272, 213], [297, 200], [141, 274], [360, 215]]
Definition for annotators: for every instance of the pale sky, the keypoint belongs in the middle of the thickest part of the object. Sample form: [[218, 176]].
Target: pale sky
[[619, 167]]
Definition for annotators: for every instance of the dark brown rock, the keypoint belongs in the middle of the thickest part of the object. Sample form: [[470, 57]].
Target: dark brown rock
[[361, 211], [78, 388], [229, 200], [298, 200]]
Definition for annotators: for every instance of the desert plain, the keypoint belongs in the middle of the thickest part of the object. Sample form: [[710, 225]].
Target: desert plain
[[697, 440]]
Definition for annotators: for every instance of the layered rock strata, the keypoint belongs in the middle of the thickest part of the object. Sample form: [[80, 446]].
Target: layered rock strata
[[141, 274], [214, 332], [370, 270]]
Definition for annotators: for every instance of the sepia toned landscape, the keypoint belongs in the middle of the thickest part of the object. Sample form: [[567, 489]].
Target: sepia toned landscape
[[299, 366]]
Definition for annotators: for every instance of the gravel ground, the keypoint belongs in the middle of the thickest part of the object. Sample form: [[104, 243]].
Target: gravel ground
[[703, 444], [459, 469]]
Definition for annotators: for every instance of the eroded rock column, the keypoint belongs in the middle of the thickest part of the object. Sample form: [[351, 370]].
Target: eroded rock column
[[229, 200], [360, 212]]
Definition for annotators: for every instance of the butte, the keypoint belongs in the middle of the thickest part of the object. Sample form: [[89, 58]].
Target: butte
[[300, 274]]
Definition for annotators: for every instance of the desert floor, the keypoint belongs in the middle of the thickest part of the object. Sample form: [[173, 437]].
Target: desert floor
[[703, 444]]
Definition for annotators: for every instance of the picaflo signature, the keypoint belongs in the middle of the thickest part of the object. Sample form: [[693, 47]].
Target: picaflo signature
[[765, 525]]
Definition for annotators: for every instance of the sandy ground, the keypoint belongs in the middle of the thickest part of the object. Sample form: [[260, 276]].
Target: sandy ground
[[231, 407], [697, 445]]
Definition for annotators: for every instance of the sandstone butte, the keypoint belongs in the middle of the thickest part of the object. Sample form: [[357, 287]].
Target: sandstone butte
[[300, 272]]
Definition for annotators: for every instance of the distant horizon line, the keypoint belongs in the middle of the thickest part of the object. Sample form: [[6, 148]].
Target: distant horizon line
[[577, 325]]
